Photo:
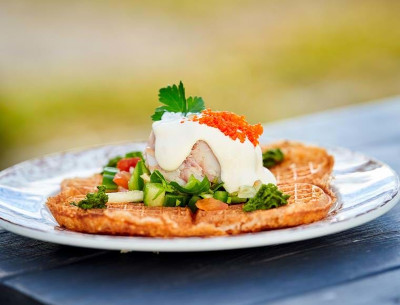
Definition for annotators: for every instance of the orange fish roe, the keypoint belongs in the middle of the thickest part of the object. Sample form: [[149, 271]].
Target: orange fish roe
[[231, 124]]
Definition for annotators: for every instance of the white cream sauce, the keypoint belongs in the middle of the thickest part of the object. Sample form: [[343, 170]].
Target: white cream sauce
[[241, 163]]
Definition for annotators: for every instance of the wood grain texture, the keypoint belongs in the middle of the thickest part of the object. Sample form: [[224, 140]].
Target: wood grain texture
[[233, 277], [358, 261], [385, 288], [21, 255], [12, 296]]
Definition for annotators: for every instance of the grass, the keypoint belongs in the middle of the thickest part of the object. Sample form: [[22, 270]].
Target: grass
[[265, 59]]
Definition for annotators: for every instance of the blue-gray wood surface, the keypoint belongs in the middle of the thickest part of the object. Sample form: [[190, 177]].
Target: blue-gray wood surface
[[359, 266]]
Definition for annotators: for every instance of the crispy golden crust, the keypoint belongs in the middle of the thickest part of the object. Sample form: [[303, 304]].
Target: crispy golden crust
[[308, 185], [81, 186], [302, 164], [308, 203], [118, 218]]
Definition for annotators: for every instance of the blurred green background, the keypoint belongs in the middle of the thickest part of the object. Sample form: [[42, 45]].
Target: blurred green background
[[78, 73]]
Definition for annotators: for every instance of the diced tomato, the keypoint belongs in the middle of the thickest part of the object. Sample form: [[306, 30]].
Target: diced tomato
[[211, 204], [122, 179], [122, 189], [126, 163]]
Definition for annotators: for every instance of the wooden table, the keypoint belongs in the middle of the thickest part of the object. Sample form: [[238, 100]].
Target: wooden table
[[360, 266]]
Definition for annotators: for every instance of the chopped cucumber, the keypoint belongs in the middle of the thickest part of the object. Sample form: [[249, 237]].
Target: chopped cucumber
[[192, 203], [185, 200], [109, 183], [145, 177], [236, 199], [153, 194], [108, 176], [110, 170], [121, 197], [221, 195], [136, 182], [172, 200]]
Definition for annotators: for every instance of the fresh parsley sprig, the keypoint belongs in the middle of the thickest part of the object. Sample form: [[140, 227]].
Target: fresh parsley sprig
[[174, 99], [267, 197]]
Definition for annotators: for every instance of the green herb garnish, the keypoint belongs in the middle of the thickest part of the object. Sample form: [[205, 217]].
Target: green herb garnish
[[267, 197], [96, 200], [217, 186], [272, 157], [174, 194], [157, 177], [193, 186], [173, 97]]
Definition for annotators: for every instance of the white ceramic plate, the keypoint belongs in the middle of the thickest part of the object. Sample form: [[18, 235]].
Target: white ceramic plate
[[365, 188]]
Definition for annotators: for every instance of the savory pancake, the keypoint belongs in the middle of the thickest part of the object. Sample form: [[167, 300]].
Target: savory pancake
[[305, 164], [304, 174]]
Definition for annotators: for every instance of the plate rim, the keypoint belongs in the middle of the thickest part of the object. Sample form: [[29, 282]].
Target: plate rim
[[199, 244]]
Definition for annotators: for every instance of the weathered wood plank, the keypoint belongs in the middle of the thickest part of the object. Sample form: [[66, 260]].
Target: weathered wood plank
[[14, 297], [232, 277], [379, 289], [21, 255]]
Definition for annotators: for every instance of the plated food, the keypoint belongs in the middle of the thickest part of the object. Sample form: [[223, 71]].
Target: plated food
[[203, 173]]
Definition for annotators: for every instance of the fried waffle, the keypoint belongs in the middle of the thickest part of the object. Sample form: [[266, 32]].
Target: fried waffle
[[305, 164], [122, 219], [81, 186], [307, 203], [304, 175]]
